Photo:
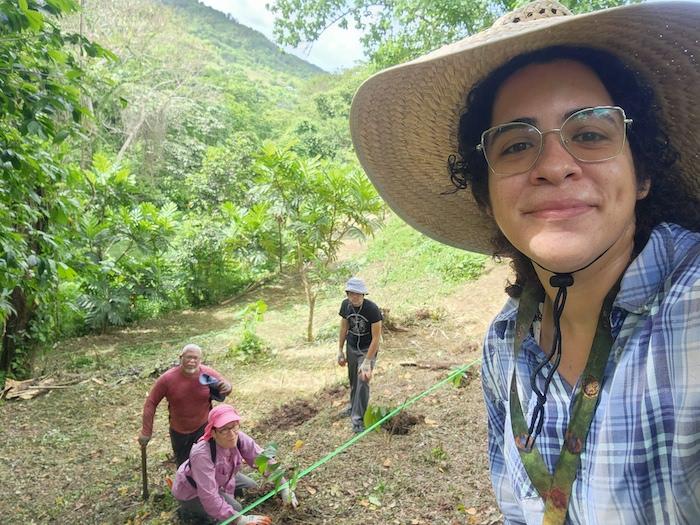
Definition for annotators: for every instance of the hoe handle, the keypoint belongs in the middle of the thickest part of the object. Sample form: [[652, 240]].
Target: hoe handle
[[144, 473]]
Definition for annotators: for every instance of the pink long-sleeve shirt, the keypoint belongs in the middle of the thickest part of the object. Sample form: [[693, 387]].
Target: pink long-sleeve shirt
[[188, 400], [213, 479]]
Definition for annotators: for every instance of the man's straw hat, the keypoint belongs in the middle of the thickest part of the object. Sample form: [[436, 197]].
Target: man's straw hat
[[404, 120]]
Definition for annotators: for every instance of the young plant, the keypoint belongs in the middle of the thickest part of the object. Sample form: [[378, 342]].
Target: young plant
[[267, 465], [251, 346], [374, 414], [375, 498], [463, 379]]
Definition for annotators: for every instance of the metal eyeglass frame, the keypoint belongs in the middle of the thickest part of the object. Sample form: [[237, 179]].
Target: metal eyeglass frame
[[625, 121]]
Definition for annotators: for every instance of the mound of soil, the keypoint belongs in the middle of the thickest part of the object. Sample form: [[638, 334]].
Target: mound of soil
[[289, 415], [401, 423], [332, 393]]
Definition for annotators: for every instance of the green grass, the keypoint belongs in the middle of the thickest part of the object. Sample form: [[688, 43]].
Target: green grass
[[410, 255]]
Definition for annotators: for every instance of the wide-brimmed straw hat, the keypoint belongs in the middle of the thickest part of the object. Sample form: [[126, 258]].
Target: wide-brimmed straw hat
[[404, 120]]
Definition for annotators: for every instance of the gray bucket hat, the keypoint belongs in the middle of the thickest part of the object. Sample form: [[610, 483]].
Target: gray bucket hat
[[356, 285]]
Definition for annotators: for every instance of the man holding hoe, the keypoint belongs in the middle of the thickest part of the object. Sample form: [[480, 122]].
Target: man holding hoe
[[189, 389]]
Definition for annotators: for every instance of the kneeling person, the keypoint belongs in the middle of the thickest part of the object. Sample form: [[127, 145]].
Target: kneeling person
[[205, 484]]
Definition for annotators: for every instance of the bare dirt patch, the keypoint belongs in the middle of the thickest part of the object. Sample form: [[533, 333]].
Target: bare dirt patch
[[289, 415], [402, 423]]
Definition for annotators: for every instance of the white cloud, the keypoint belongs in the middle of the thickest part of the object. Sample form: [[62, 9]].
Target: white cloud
[[336, 49]]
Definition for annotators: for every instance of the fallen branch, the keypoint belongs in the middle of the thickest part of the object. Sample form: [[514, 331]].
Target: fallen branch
[[47, 387], [29, 389]]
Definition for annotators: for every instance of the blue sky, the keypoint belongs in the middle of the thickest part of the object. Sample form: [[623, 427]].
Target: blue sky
[[336, 49]]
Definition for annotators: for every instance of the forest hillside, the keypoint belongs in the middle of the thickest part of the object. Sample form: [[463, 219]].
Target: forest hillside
[[70, 454]]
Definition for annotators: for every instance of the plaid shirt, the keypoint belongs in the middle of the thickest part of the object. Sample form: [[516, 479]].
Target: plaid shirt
[[641, 462]]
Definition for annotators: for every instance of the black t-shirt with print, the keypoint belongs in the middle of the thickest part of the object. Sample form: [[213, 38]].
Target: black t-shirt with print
[[360, 321]]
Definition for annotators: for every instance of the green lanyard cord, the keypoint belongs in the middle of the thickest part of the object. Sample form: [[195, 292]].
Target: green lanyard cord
[[352, 440], [555, 489]]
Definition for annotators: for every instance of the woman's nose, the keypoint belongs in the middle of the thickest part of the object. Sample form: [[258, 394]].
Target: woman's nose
[[555, 163]]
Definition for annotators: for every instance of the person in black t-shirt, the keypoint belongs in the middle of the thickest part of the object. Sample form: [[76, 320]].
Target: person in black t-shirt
[[360, 328]]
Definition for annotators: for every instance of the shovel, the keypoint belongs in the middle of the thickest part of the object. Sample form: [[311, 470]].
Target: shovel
[[144, 473]]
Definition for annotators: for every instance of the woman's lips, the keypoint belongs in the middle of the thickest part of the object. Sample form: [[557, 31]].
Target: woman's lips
[[561, 209]]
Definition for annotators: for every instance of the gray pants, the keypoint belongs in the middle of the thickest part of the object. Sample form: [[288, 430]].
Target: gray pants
[[359, 390], [193, 509]]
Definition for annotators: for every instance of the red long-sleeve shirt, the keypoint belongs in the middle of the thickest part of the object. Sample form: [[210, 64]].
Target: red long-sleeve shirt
[[188, 400]]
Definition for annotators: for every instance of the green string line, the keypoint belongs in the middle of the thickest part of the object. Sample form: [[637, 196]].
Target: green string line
[[352, 440]]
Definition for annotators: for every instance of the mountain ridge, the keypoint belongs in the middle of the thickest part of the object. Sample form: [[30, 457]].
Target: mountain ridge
[[215, 27]]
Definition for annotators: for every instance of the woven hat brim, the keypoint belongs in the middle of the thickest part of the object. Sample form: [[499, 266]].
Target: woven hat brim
[[403, 120]]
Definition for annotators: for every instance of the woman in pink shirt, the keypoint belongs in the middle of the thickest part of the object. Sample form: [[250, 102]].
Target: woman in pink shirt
[[205, 484]]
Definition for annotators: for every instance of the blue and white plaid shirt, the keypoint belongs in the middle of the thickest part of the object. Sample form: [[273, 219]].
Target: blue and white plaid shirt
[[641, 463]]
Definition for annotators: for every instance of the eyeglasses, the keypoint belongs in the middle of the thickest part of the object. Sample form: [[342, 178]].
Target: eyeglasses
[[589, 135], [229, 430]]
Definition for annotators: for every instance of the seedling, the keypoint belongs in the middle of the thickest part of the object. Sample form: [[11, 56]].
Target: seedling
[[374, 414], [267, 465]]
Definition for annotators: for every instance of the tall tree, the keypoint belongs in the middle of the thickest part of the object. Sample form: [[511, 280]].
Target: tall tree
[[398, 30], [40, 107], [316, 206]]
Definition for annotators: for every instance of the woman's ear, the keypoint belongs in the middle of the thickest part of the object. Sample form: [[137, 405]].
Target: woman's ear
[[643, 189]]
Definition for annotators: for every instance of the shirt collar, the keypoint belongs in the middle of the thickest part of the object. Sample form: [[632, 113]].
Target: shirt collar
[[507, 315], [647, 273]]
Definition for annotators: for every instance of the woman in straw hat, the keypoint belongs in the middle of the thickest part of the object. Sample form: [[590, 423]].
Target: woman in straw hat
[[578, 138]]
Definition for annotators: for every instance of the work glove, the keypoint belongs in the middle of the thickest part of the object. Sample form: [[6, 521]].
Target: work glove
[[254, 520], [289, 498], [143, 440], [341, 358], [365, 370]]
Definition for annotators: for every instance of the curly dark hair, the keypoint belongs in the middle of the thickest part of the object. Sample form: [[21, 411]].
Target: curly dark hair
[[655, 159]]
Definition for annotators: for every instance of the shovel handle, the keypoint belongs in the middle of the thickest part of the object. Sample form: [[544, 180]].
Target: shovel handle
[[144, 473]]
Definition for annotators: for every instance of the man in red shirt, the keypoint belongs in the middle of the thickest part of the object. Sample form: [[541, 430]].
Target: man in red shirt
[[188, 398]]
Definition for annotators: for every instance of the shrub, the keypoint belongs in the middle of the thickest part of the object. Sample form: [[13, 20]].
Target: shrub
[[251, 347]]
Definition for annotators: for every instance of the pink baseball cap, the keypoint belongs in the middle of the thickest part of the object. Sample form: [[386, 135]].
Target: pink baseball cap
[[219, 416]]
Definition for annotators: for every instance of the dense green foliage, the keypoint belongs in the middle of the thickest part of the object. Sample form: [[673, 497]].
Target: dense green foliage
[[398, 30], [134, 181], [183, 160], [42, 106]]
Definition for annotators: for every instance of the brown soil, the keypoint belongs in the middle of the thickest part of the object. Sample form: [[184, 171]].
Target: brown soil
[[71, 455], [287, 416], [402, 423]]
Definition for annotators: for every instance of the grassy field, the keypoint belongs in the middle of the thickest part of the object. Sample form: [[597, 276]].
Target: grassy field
[[71, 455]]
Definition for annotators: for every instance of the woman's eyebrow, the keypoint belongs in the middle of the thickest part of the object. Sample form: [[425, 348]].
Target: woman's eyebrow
[[533, 121], [524, 120]]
